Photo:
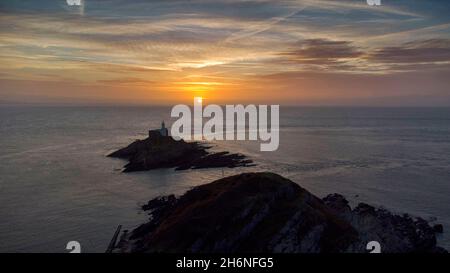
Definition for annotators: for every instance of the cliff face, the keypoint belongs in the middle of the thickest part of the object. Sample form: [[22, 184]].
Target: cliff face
[[264, 212], [165, 152]]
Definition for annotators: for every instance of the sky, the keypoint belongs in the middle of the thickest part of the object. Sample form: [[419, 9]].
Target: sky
[[305, 52]]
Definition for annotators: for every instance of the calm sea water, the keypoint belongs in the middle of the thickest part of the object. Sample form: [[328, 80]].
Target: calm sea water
[[56, 185]]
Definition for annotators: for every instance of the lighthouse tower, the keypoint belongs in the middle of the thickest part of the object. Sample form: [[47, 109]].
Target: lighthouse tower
[[163, 131], [158, 133]]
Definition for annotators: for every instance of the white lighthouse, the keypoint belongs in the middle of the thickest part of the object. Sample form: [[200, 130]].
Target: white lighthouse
[[163, 131], [158, 133]]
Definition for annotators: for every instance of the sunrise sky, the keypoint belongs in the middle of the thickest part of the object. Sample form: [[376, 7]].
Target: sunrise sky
[[310, 52]]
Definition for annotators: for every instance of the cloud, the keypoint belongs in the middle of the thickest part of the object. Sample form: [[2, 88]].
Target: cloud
[[322, 51], [422, 51], [129, 81], [139, 43]]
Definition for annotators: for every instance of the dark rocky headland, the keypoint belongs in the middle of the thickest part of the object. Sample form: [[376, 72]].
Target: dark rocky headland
[[159, 151], [264, 212]]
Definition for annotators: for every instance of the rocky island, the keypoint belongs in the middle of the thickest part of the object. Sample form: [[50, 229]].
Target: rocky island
[[266, 213], [160, 150]]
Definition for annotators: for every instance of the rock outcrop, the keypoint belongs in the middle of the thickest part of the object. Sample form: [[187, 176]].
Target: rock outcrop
[[165, 152], [264, 212], [395, 233]]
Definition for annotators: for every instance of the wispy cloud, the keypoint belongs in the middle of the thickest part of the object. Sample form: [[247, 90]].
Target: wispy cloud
[[218, 46], [422, 51]]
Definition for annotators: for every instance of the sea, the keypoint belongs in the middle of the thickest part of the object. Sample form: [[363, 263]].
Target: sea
[[57, 185]]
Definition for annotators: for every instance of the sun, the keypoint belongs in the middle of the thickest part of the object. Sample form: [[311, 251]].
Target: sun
[[198, 99]]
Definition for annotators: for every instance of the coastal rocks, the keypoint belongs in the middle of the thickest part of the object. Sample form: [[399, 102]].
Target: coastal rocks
[[264, 212], [438, 228], [395, 233], [164, 152]]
